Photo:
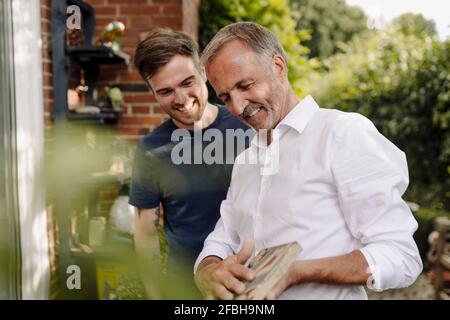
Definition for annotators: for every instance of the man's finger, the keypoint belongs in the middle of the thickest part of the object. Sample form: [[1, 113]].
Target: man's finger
[[245, 252], [233, 284], [222, 293], [242, 272]]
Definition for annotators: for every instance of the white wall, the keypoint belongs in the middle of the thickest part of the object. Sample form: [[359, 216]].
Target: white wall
[[30, 148]]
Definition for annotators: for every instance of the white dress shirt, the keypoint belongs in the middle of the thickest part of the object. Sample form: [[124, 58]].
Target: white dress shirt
[[338, 187]]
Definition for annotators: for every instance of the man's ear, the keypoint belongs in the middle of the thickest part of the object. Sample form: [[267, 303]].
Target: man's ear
[[279, 65]]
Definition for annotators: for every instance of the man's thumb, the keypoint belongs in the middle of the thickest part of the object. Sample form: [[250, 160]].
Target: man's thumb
[[245, 252]]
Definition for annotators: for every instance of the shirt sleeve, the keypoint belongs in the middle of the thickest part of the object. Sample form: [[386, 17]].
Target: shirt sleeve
[[371, 175], [223, 241], [144, 191]]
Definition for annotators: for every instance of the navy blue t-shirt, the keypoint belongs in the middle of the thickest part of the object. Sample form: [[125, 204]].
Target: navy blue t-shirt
[[190, 193]]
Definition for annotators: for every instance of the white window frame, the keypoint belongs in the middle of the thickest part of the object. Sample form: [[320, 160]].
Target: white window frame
[[30, 149]]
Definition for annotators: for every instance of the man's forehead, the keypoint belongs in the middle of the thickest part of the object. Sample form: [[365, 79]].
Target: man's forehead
[[233, 51], [231, 64], [176, 70]]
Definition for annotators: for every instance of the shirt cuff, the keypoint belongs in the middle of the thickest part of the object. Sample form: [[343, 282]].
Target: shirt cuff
[[374, 281], [212, 249]]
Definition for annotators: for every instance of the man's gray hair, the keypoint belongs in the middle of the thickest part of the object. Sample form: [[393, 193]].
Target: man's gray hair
[[258, 38]]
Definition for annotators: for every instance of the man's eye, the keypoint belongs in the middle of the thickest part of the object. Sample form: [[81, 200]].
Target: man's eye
[[187, 84], [164, 93], [248, 86]]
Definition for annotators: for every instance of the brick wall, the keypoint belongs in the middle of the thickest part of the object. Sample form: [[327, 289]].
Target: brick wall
[[48, 105], [141, 112], [47, 63]]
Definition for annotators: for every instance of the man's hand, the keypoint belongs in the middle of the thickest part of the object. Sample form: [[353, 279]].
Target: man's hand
[[223, 279]]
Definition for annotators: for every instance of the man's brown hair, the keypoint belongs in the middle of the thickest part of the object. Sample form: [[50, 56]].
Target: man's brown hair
[[159, 47]]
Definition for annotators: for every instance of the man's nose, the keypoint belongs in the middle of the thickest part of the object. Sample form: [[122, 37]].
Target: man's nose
[[237, 104], [180, 96]]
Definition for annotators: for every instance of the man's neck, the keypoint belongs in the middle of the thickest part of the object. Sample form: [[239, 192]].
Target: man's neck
[[209, 115], [290, 103]]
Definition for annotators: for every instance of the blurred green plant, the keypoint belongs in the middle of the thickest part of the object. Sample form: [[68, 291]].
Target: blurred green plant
[[129, 287], [329, 22], [399, 78], [273, 14], [414, 24]]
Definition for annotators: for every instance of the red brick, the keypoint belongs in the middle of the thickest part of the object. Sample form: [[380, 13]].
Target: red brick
[[172, 9], [129, 41], [167, 1], [48, 105], [115, 69], [158, 110], [140, 109], [96, 2], [47, 67], [172, 22], [48, 94], [48, 80], [102, 22], [140, 10], [110, 10], [139, 98], [45, 24], [129, 131], [141, 21], [144, 131], [130, 77], [108, 77], [131, 31], [128, 2], [45, 12], [141, 121], [129, 51]]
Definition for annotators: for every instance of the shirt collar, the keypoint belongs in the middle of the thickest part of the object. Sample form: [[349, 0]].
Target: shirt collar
[[300, 115], [297, 119]]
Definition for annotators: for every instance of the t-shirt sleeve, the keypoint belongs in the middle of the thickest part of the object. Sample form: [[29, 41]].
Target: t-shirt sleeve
[[144, 191]]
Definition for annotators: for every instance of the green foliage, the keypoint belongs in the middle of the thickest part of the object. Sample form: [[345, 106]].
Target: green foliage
[[425, 218], [273, 14], [129, 287], [402, 83], [330, 23], [414, 24]]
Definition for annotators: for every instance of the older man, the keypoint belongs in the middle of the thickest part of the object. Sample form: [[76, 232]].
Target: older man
[[337, 189]]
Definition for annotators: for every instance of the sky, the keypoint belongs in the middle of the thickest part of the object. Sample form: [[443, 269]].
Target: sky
[[438, 10]]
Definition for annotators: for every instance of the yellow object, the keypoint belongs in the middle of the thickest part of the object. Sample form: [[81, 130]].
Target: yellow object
[[108, 276]]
